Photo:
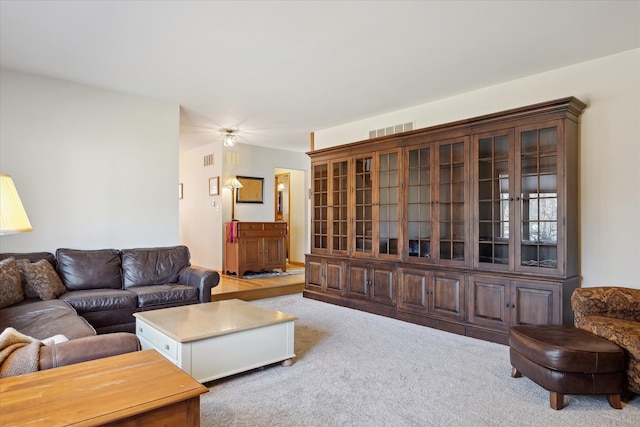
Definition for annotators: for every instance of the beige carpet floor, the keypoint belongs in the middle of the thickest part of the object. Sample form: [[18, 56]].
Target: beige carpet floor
[[358, 369]]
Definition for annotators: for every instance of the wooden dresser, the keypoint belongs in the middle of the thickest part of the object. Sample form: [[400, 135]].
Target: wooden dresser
[[255, 246]]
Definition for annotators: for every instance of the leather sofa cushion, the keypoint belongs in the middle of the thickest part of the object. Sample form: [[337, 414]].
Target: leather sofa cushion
[[44, 319], [152, 295], [100, 300], [89, 348], [89, 269], [153, 266], [566, 349]]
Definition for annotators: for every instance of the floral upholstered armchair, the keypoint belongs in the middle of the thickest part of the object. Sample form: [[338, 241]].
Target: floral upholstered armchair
[[612, 313]]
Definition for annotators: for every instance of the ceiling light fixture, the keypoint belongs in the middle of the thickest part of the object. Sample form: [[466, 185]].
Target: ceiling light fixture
[[229, 139]]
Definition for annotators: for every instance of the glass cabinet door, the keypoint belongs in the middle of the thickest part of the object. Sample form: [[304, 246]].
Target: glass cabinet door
[[363, 205], [376, 195], [330, 207], [537, 197], [451, 204], [493, 196], [518, 193], [436, 200], [419, 203], [319, 221], [388, 203], [339, 206]]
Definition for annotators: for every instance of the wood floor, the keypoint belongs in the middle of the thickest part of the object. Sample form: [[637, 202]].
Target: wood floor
[[251, 289]]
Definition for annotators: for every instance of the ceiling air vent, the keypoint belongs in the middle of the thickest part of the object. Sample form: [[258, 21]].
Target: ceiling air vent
[[208, 160], [402, 127]]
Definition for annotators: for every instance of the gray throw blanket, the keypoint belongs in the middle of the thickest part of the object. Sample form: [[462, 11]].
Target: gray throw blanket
[[19, 353]]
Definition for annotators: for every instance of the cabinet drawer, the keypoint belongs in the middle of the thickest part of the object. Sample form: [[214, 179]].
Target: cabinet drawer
[[161, 342], [275, 226], [262, 233], [261, 226], [247, 226]]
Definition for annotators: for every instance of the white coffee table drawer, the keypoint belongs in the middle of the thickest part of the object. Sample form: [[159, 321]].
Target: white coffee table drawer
[[160, 342]]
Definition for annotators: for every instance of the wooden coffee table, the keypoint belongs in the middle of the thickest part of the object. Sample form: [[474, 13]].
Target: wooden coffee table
[[217, 339], [139, 388]]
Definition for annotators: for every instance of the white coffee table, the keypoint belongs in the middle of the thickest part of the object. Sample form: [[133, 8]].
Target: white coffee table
[[213, 340]]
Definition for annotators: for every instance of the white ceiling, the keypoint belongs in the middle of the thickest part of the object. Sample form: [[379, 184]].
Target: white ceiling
[[278, 70]]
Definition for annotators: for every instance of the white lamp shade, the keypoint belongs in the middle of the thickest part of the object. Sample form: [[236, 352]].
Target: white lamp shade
[[13, 218], [233, 183]]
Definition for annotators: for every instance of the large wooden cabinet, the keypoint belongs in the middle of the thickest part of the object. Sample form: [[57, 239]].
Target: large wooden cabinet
[[470, 227], [256, 247]]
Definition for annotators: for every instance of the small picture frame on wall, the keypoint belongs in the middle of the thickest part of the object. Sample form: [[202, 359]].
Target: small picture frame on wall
[[214, 186], [180, 193]]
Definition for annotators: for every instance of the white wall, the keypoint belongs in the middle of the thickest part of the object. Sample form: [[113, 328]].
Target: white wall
[[94, 168], [200, 221], [609, 157]]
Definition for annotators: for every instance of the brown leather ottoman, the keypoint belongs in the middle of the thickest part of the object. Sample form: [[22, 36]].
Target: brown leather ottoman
[[567, 360]]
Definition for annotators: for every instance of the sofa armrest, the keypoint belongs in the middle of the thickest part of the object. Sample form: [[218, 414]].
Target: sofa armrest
[[609, 301], [87, 348], [202, 278]]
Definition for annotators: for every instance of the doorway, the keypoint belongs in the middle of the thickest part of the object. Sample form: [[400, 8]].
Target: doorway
[[282, 203]]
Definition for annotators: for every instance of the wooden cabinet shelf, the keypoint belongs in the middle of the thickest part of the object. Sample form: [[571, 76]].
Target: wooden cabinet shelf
[[440, 226], [255, 247]]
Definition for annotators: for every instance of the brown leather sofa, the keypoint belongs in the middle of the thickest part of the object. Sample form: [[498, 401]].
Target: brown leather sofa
[[612, 313], [107, 286]]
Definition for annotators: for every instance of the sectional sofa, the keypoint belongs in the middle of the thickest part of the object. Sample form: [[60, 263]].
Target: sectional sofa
[[89, 296]]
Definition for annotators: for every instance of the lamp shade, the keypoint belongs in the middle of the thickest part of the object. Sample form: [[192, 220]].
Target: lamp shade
[[233, 183], [13, 218]]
